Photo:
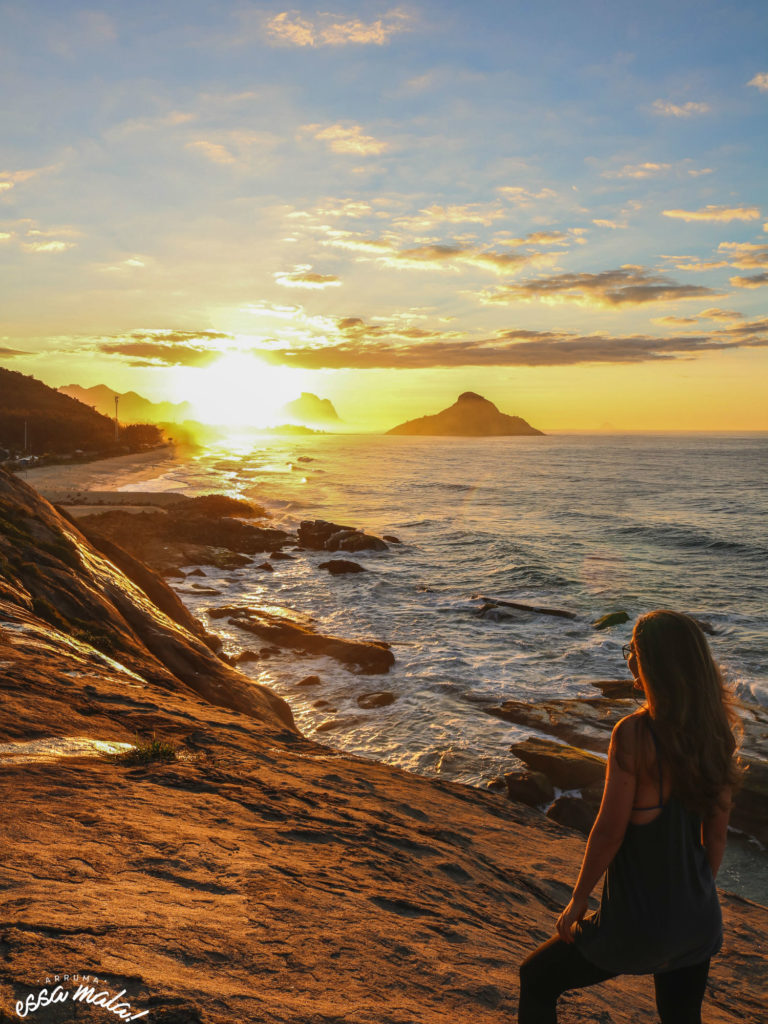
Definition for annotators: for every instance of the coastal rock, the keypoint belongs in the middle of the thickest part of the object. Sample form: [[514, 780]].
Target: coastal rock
[[378, 699], [582, 721], [175, 536], [611, 619], [390, 539], [319, 535], [577, 812], [494, 602], [341, 566], [309, 681], [471, 415], [282, 556], [527, 787], [265, 567], [369, 657], [568, 767], [618, 688]]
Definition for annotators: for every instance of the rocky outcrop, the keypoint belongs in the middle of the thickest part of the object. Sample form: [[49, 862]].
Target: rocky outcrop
[[341, 567], [253, 875], [203, 531], [319, 535], [311, 411], [55, 580], [370, 657], [471, 415]]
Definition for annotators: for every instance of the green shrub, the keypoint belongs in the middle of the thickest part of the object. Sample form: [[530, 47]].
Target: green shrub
[[145, 751]]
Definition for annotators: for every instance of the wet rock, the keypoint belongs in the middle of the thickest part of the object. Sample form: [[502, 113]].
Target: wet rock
[[611, 619], [369, 657], [216, 506], [282, 556], [265, 567], [319, 535], [247, 655], [309, 681], [379, 699], [195, 572], [323, 704], [390, 539], [341, 566], [492, 602], [567, 767], [493, 613], [617, 688], [750, 810], [527, 787], [582, 721]]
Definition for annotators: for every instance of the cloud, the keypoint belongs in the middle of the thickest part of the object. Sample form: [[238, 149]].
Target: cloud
[[716, 213], [524, 197], [615, 225], [667, 109], [745, 255], [9, 179], [289, 28], [55, 245], [167, 348], [627, 286], [9, 353], [760, 81], [470, 213], [346, 139], [645, 170], [436, 255], [720, 314], [368, 346], [304, 277], [755, 281], [213, 151]]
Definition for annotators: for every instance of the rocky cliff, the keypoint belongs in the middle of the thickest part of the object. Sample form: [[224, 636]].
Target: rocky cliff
[[470, 415], [247, 874]]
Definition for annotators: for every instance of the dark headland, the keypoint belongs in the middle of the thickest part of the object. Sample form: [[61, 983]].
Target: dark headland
[[471, 415], [256, 875]]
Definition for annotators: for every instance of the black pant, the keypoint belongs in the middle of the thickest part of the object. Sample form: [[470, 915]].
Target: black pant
[[558, 966]]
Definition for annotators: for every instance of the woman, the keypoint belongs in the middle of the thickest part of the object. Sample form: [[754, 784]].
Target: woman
[[660, 833]]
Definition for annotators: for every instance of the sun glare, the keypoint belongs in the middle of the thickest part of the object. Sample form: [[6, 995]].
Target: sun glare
[[240, 390]]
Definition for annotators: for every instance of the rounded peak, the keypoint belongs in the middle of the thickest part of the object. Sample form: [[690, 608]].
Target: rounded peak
[[470, 396]]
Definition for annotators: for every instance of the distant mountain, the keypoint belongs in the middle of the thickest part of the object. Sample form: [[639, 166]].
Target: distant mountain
[[132, 408], [471, 415], [310, 410], [52, 422]]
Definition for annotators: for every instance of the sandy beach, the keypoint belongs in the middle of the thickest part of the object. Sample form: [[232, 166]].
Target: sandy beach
[[66, 483]]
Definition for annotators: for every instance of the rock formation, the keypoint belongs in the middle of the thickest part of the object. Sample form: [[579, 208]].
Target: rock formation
[[311, 411], [252, 875], [471, 415]]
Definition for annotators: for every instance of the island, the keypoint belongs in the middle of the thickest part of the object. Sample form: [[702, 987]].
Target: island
[[471, 415]]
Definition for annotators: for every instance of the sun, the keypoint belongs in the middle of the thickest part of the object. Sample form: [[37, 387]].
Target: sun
[[241, 390]]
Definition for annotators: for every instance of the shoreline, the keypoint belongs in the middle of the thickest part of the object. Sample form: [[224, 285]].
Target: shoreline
[[75, 485]]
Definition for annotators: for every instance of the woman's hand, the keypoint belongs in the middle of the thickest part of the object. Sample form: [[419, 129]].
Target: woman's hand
[[573, 913]]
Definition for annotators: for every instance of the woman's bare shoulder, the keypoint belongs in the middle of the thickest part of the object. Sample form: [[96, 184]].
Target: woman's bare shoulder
[[625, 739]]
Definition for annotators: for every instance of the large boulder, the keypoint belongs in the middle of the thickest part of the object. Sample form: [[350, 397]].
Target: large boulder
[[319, 535], [567, 767]]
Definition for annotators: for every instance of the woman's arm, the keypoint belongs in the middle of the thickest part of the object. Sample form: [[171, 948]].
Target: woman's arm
[[609, 828], [714, 832]]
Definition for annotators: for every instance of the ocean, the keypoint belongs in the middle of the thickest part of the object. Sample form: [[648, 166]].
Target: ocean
[[590, 524]]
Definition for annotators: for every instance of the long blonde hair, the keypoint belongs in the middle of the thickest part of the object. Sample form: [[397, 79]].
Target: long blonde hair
[[690, 707]]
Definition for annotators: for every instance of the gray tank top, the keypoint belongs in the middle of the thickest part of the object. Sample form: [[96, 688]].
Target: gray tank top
[[659, 909]]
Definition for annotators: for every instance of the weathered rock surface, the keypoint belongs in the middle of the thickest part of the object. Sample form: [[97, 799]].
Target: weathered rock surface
[[259, 876], [319, 535], [366, 656], [378, 699], [611, 619]]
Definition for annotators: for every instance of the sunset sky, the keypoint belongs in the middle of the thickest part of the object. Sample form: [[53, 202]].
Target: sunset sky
[[562, 206]]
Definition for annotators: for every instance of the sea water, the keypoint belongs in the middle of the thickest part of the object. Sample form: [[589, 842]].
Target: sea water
[[587, 524]]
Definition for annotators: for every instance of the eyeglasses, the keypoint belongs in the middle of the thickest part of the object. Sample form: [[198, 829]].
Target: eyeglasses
[[627, 650]]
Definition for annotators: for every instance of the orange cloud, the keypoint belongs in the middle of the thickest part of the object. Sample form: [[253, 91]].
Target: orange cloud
[[304, 277], [755, 281], [760, 81], [347, 139], [289, 28], [716, 213]]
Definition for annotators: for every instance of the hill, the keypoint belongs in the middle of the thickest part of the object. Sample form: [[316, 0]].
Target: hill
[[310, 410], [132, 408], [54, 422], [471, 415]]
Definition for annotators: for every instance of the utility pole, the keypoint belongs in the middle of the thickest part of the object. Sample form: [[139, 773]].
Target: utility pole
[[117, 422]]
